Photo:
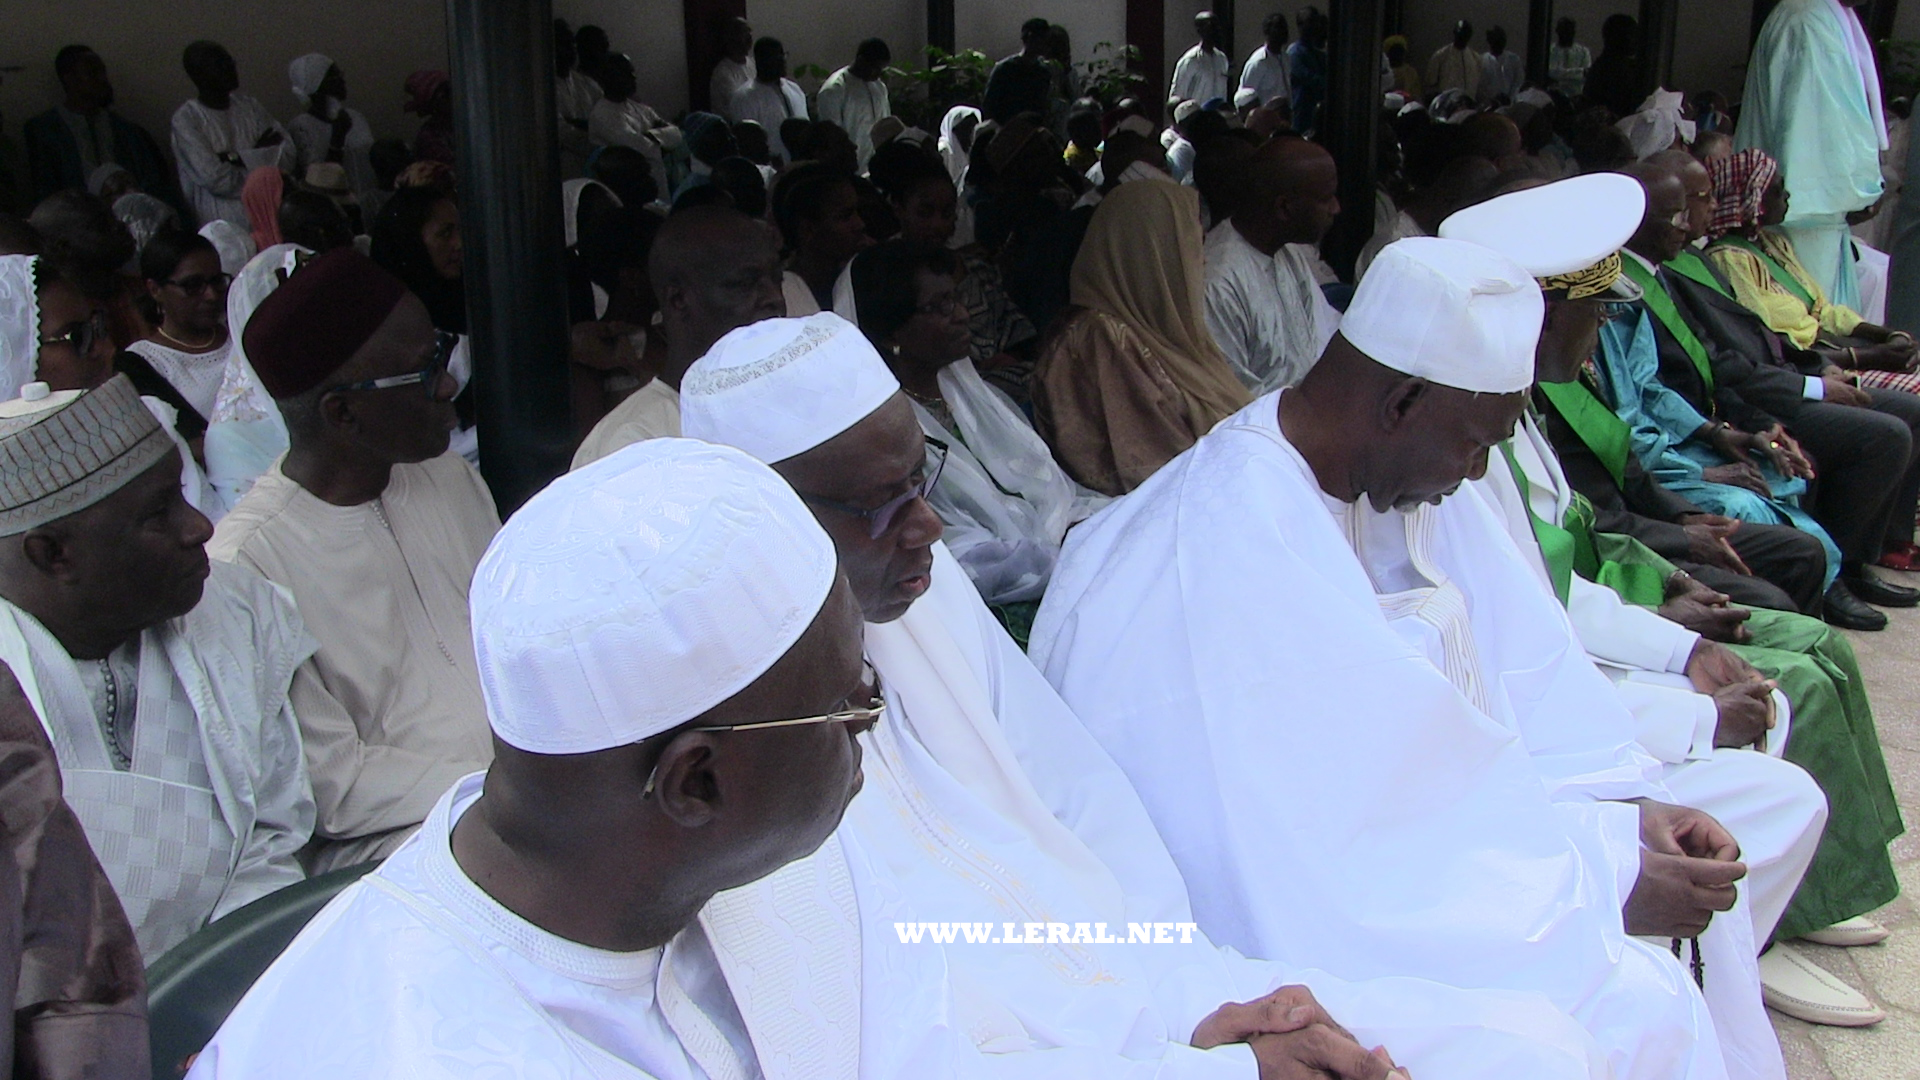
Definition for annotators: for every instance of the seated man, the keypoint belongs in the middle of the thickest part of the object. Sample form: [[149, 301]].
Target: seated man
[[1656, 662], [712, 268], [1263, 303], [162, 683], [1422, 765], [1863, 458], [986, 797], [1700, 458], [375, 528]]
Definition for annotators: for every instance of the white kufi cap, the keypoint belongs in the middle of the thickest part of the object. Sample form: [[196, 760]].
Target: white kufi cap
[[1451, 312], [633, 595], [781, 387]]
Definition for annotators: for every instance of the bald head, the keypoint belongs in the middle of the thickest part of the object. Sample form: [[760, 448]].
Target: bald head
[[1695, 181], [1663, 230], [1293, 195], [714, 269]]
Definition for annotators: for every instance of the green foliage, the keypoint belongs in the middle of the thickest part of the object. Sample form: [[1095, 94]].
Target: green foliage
[[1109, 75], [921, 95]]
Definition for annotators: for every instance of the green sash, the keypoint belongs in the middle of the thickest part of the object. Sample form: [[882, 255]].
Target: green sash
[[1599, 427], [1577, 548], [1779, 272], [1660, 302], [1689, 264]]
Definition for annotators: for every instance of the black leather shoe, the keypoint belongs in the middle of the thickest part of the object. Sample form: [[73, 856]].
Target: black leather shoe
[[1881, 592], [1849, 612]]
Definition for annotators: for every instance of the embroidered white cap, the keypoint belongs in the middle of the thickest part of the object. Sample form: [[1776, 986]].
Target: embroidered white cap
[[1448, 311], [781, 387], [633, 595]]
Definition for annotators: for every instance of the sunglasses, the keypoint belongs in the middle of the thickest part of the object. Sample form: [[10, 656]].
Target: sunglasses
[[200, 283], [428, 376], [81, 336], [880, 518], [866, 716]]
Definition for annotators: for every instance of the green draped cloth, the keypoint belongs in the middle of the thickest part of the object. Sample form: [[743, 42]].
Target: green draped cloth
[[1832, 737]]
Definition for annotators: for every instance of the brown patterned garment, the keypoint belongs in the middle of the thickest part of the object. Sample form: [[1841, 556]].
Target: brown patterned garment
[[66, 949]]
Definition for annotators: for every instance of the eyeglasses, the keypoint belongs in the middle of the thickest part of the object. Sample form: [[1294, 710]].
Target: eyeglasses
[[880, 518], [199, 283], [866, 716], [82, 335], [428, 376], [942, 305]]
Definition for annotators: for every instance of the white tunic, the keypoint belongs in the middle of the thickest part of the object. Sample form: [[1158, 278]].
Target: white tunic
[[1266, 75], [414, 971], [213, 806], [627, 123], [1414, 773], [728, 76], [770, 106], [313, 140], [390, 707], [1202, 74], [1267, 312], [1772, 807], [196, 375], [201, 134], [651, 412], [854, 103]]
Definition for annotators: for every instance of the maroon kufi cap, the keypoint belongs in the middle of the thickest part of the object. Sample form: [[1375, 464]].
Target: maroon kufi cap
[[313, 324]]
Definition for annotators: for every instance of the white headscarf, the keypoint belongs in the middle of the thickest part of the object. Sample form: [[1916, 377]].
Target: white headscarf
[[233, 243], [306, 74], [19, 324], [950, 148], [1005, 501], [1652, 129], [246, 432]]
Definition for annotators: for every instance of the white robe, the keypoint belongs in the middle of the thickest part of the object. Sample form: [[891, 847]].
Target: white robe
[[1201, 75], [728, 76], [1267, 312], [390, 707], [855, 104], [216, 804], [1266, 75], [1772, 807], [769, 106], [987, 802], [651, 412], [628, 123], [313, 140], [202, 134], [1409, 795], [414, 971]]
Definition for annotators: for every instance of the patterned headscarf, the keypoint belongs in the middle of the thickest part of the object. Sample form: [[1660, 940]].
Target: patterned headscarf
[[1740, 184]]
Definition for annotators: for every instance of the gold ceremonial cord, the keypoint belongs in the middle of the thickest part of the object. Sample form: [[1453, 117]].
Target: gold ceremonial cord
[[1581, 284]]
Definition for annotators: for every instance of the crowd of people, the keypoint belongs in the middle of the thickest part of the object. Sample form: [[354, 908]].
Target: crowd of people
[[880, 692]]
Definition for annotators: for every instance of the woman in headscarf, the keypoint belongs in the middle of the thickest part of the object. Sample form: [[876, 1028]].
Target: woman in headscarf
[[1133, 377], [261, 197], [328, 130], [417, 239], [1006, 503], [1750, 201], [246, 433], [430, 93]]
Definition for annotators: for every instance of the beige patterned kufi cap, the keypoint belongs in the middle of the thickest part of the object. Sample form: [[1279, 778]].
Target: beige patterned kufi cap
[[61, 452]]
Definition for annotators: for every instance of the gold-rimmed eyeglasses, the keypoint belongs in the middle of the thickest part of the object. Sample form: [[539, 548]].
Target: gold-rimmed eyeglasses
[[865, 716]]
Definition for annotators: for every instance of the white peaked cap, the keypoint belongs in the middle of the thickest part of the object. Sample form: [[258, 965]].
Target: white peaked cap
[[1555, 228], [633, 595], [1450, 312], [781, 387]]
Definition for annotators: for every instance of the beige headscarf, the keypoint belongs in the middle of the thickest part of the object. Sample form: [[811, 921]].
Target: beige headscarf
[[1141, 263]]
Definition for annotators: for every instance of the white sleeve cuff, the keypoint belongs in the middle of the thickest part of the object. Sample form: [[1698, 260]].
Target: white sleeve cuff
[[1683, 645], [1706, 724], [1816, 388]]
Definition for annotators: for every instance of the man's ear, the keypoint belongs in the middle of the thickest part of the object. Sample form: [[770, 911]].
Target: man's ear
[[47, 549], [336, 411], [686, 783], [1400, 401]]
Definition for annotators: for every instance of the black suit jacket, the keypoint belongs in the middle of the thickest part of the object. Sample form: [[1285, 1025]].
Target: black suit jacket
[[1642, 507], [1748, 357], [1682, 377]]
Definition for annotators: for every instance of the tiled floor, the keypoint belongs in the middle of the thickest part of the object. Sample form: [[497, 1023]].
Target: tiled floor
[[1888, 972]]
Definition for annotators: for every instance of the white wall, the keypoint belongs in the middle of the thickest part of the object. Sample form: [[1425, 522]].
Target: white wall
[[993, 26], [375, 44], [652, 32]]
